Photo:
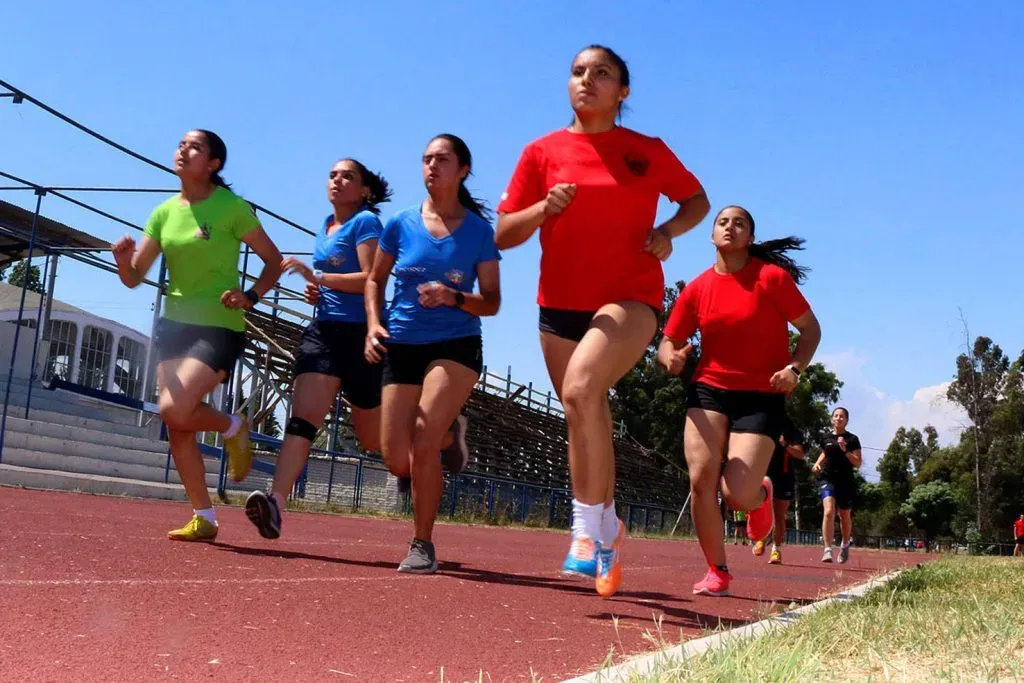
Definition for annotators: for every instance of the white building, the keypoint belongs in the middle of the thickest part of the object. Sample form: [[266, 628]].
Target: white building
[[76, 346]]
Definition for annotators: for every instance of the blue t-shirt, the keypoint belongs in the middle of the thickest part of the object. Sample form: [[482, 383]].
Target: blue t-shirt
[[336, 253], [420, 258]]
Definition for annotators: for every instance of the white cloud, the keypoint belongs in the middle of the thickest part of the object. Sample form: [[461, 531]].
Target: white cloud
[[875, 416]]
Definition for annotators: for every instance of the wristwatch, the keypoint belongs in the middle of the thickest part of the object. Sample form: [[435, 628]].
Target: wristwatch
[[792, 368], [460, 298], [253, 296], [318, 276]]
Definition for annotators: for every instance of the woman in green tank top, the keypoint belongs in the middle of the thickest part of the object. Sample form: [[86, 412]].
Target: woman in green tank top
[[202, 331]]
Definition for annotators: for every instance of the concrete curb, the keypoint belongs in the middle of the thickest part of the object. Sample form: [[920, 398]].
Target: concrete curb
[[647, 664]]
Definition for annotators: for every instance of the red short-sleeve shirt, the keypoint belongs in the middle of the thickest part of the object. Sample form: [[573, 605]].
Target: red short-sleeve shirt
[[592, 253], [743, 321]]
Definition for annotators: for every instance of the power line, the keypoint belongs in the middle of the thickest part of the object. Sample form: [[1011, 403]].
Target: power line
[[20, 95]]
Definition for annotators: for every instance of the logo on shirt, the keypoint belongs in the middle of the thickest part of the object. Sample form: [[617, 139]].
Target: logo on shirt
[[336, 260], [203, 232], [455, 276], [636, 163]]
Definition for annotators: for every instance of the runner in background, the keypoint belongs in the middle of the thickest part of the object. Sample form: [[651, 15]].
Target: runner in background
[[202, 331], [742, 307], [330, 355], [782, 472], [592, 190], [431, 347], [1018, 535], [837, 487]]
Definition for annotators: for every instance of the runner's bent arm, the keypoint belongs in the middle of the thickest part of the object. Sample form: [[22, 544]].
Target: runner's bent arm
[[810, 336], [142, 260], [259, 241], [353, 283], [376, 283], [691, 212]]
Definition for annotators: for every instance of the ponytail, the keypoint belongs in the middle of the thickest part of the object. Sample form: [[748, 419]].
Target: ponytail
[[465, 158], [473, 204], [774, 252], [218, 151], [380, 190]]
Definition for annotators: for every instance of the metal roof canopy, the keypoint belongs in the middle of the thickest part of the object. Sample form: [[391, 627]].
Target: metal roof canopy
[[16, 229]]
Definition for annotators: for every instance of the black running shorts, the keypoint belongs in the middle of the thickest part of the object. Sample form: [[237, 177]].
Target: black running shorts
[[336, 348], [408, 363], [215, 347]]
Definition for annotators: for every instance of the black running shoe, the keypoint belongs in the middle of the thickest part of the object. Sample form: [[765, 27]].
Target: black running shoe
[[455, 458], [262, 511]]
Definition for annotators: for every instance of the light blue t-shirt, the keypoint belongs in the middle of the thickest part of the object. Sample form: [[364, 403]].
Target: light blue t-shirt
[[420, 258], [336, 253]]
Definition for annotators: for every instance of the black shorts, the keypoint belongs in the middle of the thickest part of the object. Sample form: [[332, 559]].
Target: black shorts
[[408, 363], [1020, 540], [749, 412], [845, 493], [336, 348], [571, 325], [215, 347], [783, 483]]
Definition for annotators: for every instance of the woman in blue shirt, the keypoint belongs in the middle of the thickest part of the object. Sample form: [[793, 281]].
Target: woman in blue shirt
[[431, 347], [330, 355]]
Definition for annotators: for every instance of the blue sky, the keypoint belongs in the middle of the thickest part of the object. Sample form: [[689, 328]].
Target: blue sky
[[888, 135]]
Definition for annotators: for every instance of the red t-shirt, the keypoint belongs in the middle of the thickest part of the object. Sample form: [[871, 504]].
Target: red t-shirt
[[742, 318], [1018, 528], [592, 253]]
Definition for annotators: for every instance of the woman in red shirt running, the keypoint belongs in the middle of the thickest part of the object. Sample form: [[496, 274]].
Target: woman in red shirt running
[[592, 189], [735, 404]]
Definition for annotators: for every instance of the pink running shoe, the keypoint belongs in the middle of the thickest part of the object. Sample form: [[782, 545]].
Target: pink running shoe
[[714, 583], [761, 521]]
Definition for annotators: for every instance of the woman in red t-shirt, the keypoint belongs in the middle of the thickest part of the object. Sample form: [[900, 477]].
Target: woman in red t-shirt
[[735, 403], [592, 189]]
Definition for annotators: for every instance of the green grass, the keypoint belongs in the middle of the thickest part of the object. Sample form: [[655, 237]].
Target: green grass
[[956, 619]]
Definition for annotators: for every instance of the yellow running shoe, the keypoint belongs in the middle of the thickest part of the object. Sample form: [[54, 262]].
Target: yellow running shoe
[[776, 557], [197, 530], [239, 452], [758, 548]]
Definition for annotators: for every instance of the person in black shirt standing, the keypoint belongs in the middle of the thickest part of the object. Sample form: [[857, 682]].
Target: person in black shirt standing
[[782, 472], [838, 489]]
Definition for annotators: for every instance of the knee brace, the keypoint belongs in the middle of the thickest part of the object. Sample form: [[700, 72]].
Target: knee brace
[[300, 427]]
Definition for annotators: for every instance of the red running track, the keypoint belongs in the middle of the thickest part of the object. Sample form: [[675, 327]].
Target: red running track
[[90, 589]]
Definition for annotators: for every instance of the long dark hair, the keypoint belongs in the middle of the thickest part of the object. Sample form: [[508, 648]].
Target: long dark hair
[[775, 251], [466, 198], [619, 63], [218, 150], [380, 191]]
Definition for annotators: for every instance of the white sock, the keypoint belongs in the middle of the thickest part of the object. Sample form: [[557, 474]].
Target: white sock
[[846, 544], [609, 524], [586, 519], [236, 424], [209, 514]]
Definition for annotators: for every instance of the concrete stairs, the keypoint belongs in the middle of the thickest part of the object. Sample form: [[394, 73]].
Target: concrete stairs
[[73, 442]]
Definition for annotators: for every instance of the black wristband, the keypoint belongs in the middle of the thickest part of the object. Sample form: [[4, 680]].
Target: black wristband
[[793, 369], [253, 296], [460, 298]]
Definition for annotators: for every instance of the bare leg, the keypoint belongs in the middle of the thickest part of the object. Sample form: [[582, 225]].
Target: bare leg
[[704, 438], [446, 388], [312, 397]]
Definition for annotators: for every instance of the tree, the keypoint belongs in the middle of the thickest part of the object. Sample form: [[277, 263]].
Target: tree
[[978, 387], [931, 508], [17, 279]]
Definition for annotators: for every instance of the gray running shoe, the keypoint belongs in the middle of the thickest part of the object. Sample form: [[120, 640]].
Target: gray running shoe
[[844, 554], [455, 458], [827, 555], [421, 558]]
